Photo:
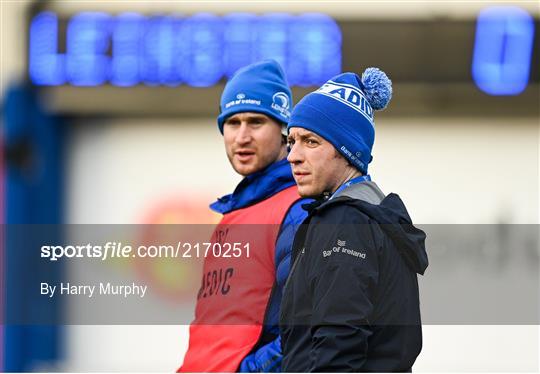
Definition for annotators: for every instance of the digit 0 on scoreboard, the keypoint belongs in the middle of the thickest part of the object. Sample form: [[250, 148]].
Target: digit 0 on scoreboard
[[502, 50]]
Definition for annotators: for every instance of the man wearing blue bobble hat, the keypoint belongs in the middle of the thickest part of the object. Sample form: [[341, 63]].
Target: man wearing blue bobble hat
[[351, 302], [236, 326]]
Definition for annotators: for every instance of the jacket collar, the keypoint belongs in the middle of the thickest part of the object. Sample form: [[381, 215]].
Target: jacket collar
[[256, 187]]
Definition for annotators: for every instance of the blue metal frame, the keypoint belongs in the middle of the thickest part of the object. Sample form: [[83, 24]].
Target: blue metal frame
[[32, 195]]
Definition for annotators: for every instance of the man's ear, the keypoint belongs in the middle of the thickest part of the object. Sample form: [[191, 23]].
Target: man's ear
[[284, 131]]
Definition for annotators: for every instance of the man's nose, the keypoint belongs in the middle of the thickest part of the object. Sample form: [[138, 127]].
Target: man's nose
[[295, 155], [243, 136]]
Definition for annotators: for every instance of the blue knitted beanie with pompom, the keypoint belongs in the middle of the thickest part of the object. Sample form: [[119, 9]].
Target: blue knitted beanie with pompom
[[341, 111]]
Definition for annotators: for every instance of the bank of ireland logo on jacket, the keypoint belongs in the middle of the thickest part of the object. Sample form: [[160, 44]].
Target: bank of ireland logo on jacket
[[280, 103]]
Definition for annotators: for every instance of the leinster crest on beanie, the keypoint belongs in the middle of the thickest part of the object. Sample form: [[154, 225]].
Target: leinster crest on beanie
[[341, 111], [260, 87]]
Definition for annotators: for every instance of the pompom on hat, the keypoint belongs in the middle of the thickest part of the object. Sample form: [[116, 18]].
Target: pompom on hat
[[341, 111]]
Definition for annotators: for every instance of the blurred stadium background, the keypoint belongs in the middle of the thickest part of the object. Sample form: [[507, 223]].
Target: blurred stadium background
[[108, 117]]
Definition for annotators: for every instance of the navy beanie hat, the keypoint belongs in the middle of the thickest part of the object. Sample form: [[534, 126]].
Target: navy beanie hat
[[341, 111], [260, 87]]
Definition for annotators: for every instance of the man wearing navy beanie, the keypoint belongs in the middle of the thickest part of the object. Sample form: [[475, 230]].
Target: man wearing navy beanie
[[236, 326], [351, 302]]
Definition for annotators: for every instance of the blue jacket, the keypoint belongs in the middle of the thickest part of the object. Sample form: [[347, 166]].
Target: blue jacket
[[266, 356]]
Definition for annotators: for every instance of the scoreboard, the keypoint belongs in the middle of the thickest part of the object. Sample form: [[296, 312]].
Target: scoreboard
[[199, 50], [131, 58]]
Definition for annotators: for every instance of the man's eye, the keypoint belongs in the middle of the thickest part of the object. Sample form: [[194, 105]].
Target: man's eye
[[232, 123], [311, 142]]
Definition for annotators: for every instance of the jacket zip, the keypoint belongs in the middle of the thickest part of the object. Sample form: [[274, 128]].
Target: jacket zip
[[292, 270]]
